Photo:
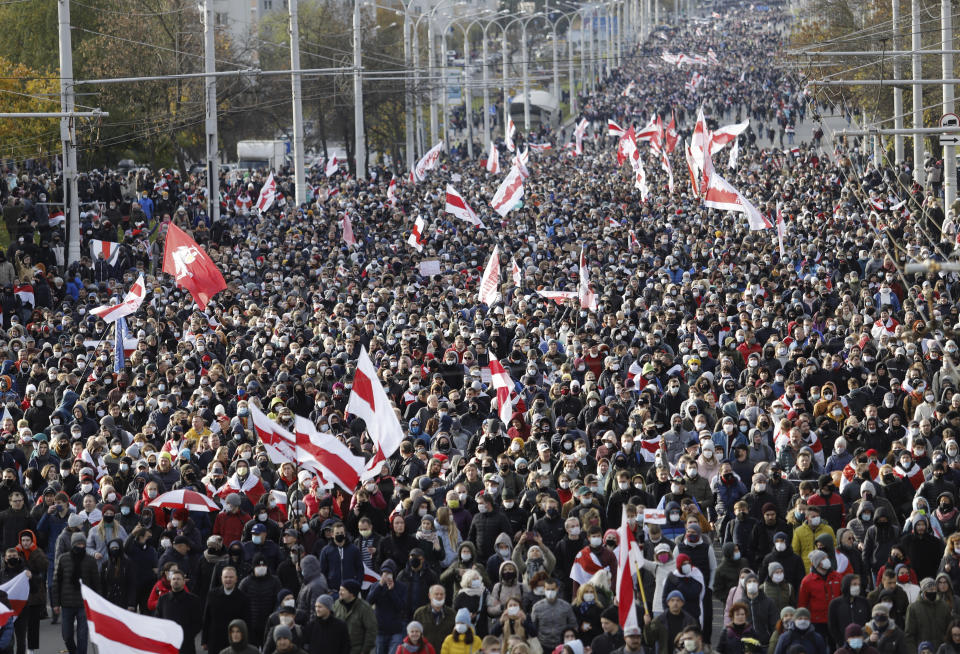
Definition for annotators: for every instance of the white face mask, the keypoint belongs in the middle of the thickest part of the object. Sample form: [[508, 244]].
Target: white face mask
[[780, 546], [551, 594], [777, 577], [260, 570], [685, 568], [460, 627], [752, 588], [595, 541], [513, 610]]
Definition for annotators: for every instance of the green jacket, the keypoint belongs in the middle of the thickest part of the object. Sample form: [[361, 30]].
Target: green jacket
[[926, 620], [361, 624]]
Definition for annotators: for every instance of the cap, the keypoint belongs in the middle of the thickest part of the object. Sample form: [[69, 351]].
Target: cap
[[258, 528]]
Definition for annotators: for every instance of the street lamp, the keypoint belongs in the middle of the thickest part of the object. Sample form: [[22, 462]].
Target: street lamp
[[556, 69], [524, 21], [468, 102]]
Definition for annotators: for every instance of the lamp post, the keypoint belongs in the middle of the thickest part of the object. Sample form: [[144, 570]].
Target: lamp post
[[468, 100]]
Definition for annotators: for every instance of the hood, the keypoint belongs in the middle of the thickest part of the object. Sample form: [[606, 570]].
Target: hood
[[920, 503], [503, 539], [242, 626], [473, 550], [728, 551], [845, 584], [504, 566], [831, 386], [882, 512], [310, 567]]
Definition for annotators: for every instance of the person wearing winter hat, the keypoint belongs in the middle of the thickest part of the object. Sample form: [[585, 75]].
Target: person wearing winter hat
[[413, 642], [323, 631], [359, 617], [818, 589], [776, 587], [284, 640], [801, 633], [387, 597], [854, 641], [927, 617], [689, 581], [851, 607], [611, 635], [461, 641], [574, 646], [664, 629], [237, 639]]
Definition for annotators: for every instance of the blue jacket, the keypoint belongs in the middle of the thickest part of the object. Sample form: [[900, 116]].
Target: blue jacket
[[51, 526], [388, 605], [341, 563]]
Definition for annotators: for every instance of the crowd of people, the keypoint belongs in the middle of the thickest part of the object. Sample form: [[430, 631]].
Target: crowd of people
[[779, 429]]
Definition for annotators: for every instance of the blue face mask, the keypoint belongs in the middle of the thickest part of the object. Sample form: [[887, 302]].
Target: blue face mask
[[124, 510]]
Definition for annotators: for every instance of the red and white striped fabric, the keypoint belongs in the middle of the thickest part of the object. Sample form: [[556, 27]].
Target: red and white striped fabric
[[418, 235], [508, 136], [588, 299], [369, 401], [25, 293], [578, 133], [490, 282], [428, 162], [184, 499], [348, 236], [628, 563], [268, 194], [109, 250], [585, 565], [243, 203], [57, 219], [118, 631], [849, 473], [509, 193], [332, 167], [628, 90], [667, 168], [557, 296], [914, 475], [649, 448], [332, 459], [515, 272], [18, 592], [252, 487], [130, 304], [695, 81], [458, 206], [693, 169], [392, 192], [615, 130], [369, 577], [721, 195], [280, 444], [500, 380], [671, 136], [725, 134], [632, 241], [648, 131], [493, 160]]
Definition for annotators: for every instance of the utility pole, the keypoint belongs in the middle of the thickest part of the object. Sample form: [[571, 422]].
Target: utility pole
[[407, 94], [949, 151], [486, 93], [897, 91], [432, 75], [68, 134], [210, 122], [360, 147], [444, 90], [299, 174], [467, 100], [919, 174], [572, 81], [526, 79], [506, 91]]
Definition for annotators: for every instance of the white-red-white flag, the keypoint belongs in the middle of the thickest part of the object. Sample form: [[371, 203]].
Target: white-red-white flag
[[457, 205], [18, 592], [613, 129], [332, 167], [130, 304], [781, 230], [725, 134], [509, 193], [493, 160], [557, 296], [332, 459], [734, 154], [578, 133], [392, 192], [369, 401], [348, 236], [628, 561], [693, 169], [720, 194], [508, 136], [515, 272], [418, 235], [428, 162], [490, 282], [501, 382], [119, 631], [280, 444], [109, 250], [667, 168], [588, 299], [268, 194]]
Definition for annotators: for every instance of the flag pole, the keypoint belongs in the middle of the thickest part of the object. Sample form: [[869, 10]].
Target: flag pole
[[103, 336], [643, 593]]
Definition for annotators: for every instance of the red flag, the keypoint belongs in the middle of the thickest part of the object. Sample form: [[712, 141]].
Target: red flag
[[191, 267]]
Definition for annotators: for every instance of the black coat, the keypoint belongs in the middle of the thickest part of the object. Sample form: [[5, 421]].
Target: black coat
[[262, 592], [219, 611], [329, 636], [65, 591], [184, 608], [119, 581]]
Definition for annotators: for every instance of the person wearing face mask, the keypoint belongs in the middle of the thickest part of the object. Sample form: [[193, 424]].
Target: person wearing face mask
[[387, 598], [341, 559], [927, 616], [260, 546], [805, 535], [883, 632], [853, 640], [262, 588], [358, 616], [282, 626], [466, 560], [585, 566], [182, 607], [801, 633], [230, 522], [818, 589], [71, 569], [552, 616], [729, 569], [852, 607]]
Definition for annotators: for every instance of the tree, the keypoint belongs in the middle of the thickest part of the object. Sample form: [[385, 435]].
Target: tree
[[24, 89]]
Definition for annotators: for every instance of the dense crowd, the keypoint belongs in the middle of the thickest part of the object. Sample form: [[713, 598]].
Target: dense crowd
[[780, 431]]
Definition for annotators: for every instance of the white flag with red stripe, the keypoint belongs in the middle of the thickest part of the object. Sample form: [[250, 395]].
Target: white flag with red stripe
[[628, 562], [725, 134], [490, 282], [508, 136], [493, 160], [332, 459], [369, 577], [588, 299], [557, 296], [130, 304], [649, 448], [781, 230], [18, 592], [25, 293], [348, 236], [118, 631], [509, 193], [615, 130], [585, 565], [369, 401], [458, 206], [109, 250], [279, 444], [332, 167], [515, 272], [720, 194], [392, 192], [500, 379], [268, 194], [252, 487], [418, 235], [578, 133], [693, 169], [428, 162]]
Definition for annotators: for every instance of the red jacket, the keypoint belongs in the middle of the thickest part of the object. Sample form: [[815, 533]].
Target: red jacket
[[816, 591], [229, 526]]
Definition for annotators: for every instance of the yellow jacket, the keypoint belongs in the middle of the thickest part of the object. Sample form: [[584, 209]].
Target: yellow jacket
[[804, 540], [451, 646]]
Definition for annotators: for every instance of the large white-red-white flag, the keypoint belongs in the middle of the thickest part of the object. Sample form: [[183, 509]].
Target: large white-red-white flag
[[720, 194], [18, 592], [457, 205], [109, 250], [418, 235], [509, 193], [613, 129], [501, 382], [723, 135], [508, 136], [628, 562], [493, 160], [369, 401], [119, 631], [268, 194], [588, 299], [131, 302], [332, 167], [279, 444], [428, 162], [490, 282], [332, 459]]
